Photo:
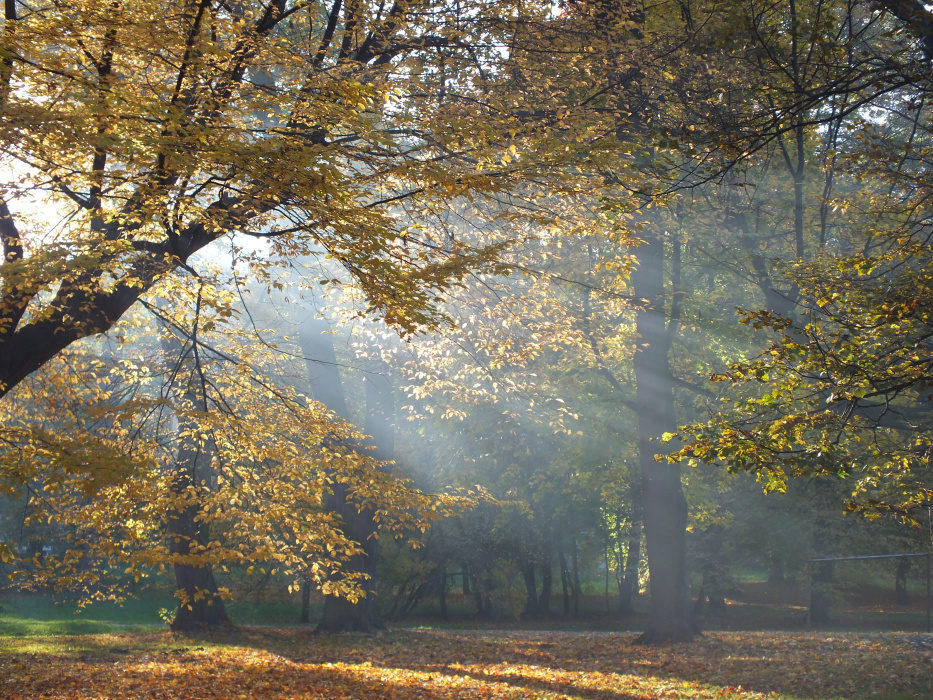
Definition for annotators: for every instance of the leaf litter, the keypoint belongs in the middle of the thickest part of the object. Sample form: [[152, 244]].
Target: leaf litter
[[293, 664]]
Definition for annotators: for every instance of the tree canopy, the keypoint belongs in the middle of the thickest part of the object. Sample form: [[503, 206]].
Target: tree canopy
[[555, 206]]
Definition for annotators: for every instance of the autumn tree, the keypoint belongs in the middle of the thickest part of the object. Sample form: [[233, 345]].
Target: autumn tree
[[186, 474], [147, 132], [152, 132], [838, 392]]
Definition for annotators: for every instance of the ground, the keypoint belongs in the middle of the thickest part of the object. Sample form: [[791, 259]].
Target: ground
[[109, 652], [292, 664]]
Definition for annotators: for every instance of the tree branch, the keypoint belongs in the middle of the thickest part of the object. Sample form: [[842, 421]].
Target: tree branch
[[13, 297]]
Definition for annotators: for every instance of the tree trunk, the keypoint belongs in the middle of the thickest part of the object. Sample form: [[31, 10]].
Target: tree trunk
[[564, 579], [821, 588], [441, 582], [776, 570], [665, 507], [547, 581], [710, 598], [531, 589], [606, 556], [629, 587], [900, 581], [199, 603], [305, 601], [478, 599], [340, 614], [576, 579]]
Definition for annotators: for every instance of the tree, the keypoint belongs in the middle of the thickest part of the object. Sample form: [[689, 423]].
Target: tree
[[153, 131], [357, 519], [841, 389], [142, 475]]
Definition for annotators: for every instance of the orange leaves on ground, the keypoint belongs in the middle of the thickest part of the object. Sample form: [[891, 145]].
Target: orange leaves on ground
[[292, 664]]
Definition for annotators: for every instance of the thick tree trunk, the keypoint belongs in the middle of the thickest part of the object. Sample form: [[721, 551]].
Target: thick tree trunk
[[204, 607], [531, 589], [665, 507], [341, 614], [199, 603]]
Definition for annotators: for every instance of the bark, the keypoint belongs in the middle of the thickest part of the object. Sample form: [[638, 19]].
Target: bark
[[547, 581], [564, 579], [478, 599], [776, 570], [629, 586], [305, 601], [199, 604], [341, 614], [710, 598], [665, 507], [441, 584], [531, 589], [575, 572], [900, 581]]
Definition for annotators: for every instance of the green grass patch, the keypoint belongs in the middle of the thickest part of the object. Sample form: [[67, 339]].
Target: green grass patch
[[38, 616]]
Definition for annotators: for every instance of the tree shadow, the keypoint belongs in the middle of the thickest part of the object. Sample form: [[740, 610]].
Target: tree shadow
[[272, 663], [796, 664]]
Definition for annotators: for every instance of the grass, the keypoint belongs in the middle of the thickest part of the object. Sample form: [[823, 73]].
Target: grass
[[26, 616], [40, 616]]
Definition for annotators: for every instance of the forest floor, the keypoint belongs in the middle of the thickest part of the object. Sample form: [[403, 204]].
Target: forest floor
[[264, 663], [588, 657]]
